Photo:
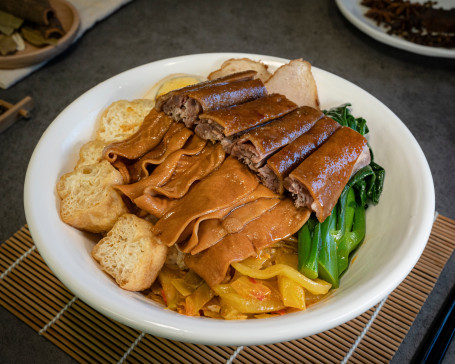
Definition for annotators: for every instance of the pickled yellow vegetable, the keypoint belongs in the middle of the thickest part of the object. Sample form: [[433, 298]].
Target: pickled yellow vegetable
[[292, 293], [271, 303], [316, 286]]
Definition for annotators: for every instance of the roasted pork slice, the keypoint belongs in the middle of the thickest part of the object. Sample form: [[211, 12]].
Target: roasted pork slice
[[218, 124], [186, 105], [295, 80], [319, 180], [256, 145], [284, 161]]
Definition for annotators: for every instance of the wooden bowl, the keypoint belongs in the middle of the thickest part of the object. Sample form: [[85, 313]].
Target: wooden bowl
[[31, 55]]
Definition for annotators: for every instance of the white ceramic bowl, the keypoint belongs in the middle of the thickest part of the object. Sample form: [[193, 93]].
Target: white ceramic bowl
[[397, 229]]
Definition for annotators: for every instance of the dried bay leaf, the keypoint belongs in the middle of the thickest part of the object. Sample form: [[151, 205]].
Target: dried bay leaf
[[9, 23], [7, 45], [34, 36]]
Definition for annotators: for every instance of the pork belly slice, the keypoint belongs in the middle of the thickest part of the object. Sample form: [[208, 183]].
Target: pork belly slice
[[185, 105], [284, 161], [319, 180], [295, 80], [256, 145], [218, 124]]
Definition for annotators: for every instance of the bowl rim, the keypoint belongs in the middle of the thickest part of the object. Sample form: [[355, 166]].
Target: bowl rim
[[203, 330]]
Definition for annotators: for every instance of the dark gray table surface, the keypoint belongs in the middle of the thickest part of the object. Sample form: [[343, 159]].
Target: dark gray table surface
[[419, 89]]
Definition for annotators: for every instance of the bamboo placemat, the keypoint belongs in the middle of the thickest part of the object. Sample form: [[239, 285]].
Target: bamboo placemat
[[30, 291]]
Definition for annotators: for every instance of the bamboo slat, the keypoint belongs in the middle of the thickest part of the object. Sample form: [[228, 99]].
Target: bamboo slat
[[30, 291]]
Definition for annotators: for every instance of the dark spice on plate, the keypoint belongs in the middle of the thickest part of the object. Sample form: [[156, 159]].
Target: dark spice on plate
[[419, 23]]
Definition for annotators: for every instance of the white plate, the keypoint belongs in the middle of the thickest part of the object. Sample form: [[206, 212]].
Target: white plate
[[354, 12], [397, 229]]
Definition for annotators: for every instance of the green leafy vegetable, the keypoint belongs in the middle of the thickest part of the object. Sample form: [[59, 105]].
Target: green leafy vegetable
[[351, 239], [309, 241], [327, 260], [342, 115]]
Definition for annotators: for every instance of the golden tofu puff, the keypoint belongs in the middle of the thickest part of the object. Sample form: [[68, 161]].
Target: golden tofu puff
[[122, 118], [88, 201], [91, 152], [130, 253], [172, 82]]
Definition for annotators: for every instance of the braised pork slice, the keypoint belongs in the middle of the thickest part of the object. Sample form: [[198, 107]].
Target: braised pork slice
[[218, 124], [277, 223], [222, 188], [213, 264], [174, 176], [256, 145], [240, 76], [199, 241], [295, 81], [174, 139], [186, 105], [149, 135], [319, 180], [284, 161]]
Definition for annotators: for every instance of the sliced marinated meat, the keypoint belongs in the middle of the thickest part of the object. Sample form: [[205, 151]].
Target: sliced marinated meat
[[218, 124], [239, 76], [284, 161], [187, 107], [275, 224], [187, 103], [149, 135], [222, 188], [183, 108], [319, 180], [255, 146], [295, 80]]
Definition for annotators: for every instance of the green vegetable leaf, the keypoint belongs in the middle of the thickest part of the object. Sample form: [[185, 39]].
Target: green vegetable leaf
[[342, 115]]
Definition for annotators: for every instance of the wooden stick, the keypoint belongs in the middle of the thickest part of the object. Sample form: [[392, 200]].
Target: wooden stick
[[15, 112]]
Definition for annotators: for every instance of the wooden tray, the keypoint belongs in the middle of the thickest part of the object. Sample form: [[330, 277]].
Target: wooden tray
[[31, 55]]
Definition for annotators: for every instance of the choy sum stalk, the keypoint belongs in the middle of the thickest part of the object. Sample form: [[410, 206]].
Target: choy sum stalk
[[327, 260], [309, 241]]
